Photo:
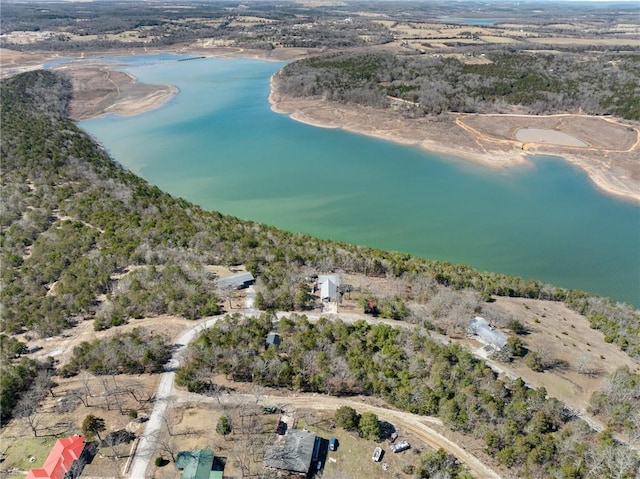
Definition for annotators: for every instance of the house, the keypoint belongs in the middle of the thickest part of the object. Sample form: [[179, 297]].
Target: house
[[61, 462], [197, 464], [479, 327], [273, 338], [293, 452], [328, 287], [236, 281]]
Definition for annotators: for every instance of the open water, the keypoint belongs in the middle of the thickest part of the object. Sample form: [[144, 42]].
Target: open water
[[218, 144]]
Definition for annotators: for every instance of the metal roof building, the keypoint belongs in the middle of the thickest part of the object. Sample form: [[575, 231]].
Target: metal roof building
[[480, 327], [293, 452], [273, 338], [238, 281], [60, 460], [197, 464], [328, 286]]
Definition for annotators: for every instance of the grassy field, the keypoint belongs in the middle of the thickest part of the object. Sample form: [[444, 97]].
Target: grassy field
[[353, 456], [25, 453]]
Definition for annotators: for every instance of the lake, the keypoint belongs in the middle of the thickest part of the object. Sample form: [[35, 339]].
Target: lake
[[218, 144]]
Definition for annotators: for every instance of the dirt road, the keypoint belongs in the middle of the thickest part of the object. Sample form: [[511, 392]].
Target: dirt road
[[417, 425], [147, 445]]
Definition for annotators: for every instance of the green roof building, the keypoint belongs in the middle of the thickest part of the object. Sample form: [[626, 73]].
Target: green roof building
[[197, 464]]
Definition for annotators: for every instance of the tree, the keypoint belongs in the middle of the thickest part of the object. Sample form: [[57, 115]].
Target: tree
[[347, 418], [516, 346], [27, 408], [369, 426], [224, 426], [93, 425], [517, 327]]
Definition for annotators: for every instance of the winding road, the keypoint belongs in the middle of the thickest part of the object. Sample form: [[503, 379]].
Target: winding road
[[417, 425]]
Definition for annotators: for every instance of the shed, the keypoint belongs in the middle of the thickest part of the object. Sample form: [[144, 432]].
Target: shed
[[237, 281], [273, 338], [328, 287], [479, 327], [292, 452], [197, 464], [60, 461]]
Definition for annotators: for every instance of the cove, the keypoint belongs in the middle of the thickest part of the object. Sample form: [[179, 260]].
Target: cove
[[218, 144]]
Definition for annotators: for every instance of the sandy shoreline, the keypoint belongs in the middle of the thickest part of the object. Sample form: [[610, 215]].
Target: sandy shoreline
[[612, 164], [612, 159]]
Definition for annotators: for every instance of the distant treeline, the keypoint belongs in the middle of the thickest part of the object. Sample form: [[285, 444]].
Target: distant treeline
[[500, 82], [101, 26], [82, 238]]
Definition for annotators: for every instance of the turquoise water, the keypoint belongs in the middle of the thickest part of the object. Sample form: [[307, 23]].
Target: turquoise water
[[218, 144]]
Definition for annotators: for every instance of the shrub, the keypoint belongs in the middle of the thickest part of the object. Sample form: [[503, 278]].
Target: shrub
[[347, 418]]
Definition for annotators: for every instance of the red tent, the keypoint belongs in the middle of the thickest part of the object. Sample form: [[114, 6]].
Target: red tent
[[62, 456]]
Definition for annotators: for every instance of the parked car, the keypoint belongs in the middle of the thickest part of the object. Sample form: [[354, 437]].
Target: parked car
[[377, 454], [333, 444], [401, 446]]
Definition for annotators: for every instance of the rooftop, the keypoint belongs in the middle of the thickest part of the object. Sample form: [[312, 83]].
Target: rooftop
[[292, 452], [238, 280], [197, 464]]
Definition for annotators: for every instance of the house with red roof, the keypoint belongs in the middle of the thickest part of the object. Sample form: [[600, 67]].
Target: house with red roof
[[60, 460]]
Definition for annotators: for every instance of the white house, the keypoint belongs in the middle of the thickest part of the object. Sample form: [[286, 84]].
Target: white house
[[328, 287]]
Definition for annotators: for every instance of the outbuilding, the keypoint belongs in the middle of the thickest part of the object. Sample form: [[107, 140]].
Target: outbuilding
[[236, 281], [480, 327], [328, 287], [273, 339]]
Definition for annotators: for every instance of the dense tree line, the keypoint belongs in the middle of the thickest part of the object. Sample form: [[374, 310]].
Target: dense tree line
[[520, 427], [605, 83], [23, 384], [618, 402]]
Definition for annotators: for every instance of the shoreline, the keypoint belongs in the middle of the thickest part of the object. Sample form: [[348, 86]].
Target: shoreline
[[489, 150], [451, 137]]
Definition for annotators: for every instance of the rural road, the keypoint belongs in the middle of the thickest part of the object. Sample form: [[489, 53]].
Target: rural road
[[413, 423], [147, 444]]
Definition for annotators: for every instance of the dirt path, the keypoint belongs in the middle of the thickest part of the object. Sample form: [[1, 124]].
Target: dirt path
[[420, 426], [166, 391], [147, 444]]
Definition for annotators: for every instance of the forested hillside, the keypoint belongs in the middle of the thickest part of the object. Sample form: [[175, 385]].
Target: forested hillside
[[493, 82], [83, 239]]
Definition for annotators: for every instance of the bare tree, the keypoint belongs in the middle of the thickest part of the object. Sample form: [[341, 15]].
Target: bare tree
[[44, 383], [170, 446], [585, 365], [27, 409], [86, 389]]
